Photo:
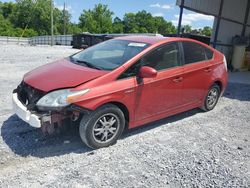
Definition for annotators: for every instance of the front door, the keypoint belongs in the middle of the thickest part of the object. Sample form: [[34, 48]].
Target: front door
[[162, 93]]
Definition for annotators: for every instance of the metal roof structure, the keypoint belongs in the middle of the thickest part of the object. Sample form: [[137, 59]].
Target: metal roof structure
[[231, 18]]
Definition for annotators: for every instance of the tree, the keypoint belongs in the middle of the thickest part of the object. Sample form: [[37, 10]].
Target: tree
[[207, 31], [73, 29], [32, 17], [6, 28], [145, 22], [187, 28], [7, 8], [60, 18], [98, 20], [164, 27], [130, 24], [22, 13], [36, 15], [118, 25]]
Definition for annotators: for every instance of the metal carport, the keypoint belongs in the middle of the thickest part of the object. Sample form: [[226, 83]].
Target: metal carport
[[231, 18]]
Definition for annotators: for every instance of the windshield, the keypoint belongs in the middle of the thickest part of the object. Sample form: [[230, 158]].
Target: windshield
[[108, 55]]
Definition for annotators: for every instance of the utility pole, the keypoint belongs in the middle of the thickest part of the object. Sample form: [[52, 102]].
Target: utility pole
[[64, 19], [52, 23]]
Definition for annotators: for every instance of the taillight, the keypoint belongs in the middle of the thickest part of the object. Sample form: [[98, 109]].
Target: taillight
[[225, 62]]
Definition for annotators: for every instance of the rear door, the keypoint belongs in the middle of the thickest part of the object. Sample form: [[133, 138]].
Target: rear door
[[197, 71]]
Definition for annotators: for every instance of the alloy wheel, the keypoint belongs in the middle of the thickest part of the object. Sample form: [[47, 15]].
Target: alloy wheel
[[212, 97], [105, 128]]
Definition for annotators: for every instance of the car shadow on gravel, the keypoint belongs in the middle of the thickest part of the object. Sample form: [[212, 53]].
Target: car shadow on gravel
[[24, 140], [238, 91], [164, 121]]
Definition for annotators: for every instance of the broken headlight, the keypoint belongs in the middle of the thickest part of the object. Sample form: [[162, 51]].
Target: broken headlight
[[60, 98]]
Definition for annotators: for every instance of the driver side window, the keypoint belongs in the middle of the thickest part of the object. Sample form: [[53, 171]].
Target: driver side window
[[163, 57]]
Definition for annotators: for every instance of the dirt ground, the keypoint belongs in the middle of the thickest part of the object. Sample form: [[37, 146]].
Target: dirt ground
[[192, 149]]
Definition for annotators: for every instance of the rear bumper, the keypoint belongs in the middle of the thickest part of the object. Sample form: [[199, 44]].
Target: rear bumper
[[22, 112]]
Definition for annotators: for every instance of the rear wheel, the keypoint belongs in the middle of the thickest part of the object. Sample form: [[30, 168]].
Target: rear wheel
[[102, 127], [211, 98]]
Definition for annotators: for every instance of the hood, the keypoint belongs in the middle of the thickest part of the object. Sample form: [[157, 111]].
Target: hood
[[60, 74]]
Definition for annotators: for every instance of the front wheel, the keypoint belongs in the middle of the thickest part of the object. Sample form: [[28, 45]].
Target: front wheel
[[211, 98], [102, 127]]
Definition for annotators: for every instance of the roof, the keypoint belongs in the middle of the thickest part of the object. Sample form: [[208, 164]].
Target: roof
[[144, 39], [156, 39]]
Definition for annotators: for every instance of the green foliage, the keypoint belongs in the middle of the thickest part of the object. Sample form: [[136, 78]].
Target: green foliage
[[6, 29], [29, 18], [144, 22], [207, 31], [130, 24], [6, 9], [5, 26], [187, 28], [73, 29], [98, 20], [163, 26], [118, 25], [59, 18]]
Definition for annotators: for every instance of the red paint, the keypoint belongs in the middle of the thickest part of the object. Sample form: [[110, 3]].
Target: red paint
[[157, 95], [147, 72], [60, 74]]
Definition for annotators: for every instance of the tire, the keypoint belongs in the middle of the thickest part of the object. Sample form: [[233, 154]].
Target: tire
[[212, 98], [102, 127]]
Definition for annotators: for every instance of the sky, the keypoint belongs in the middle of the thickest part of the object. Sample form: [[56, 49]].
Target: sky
[[165, 8]]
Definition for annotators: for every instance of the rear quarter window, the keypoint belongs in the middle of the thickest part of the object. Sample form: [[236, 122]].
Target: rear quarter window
[[194, 53], [209, 53]]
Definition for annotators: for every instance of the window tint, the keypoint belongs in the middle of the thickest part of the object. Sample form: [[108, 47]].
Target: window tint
[[195, 53], [164, 57], [209, 53]]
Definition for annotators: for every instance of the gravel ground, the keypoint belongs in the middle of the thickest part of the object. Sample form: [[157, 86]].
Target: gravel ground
[[192, 149]]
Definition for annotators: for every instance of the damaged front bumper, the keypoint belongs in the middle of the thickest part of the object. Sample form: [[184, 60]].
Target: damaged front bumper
[[48, 119], [22, 112]]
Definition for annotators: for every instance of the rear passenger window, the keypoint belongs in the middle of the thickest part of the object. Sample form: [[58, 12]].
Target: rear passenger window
[[195, 53]]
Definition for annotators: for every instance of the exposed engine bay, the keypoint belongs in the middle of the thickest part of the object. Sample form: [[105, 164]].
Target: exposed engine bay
[[52, 120]]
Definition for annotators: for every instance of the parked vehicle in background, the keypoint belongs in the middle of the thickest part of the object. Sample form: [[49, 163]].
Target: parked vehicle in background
[[201, 38], [85, 40], [121, 83]]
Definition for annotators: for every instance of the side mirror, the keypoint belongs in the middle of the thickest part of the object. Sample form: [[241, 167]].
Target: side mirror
[[147, 72]]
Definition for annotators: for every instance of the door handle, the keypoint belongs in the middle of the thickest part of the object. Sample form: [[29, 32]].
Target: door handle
[[178, 79], [208, 69]]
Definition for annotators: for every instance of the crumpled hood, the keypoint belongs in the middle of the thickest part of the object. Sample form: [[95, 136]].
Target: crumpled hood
[[60, 74]]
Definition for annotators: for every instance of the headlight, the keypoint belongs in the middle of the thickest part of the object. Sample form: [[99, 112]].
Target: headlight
[[60, 98]]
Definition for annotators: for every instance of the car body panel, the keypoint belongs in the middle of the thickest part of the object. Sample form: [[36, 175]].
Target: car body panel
[[196, 81], [219, 74], [159, 94], [60, 74]]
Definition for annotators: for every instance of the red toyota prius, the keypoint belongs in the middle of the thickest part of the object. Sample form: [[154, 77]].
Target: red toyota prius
[[123, 82]]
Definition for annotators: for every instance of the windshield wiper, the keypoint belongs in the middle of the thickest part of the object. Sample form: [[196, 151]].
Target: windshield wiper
[[88, 64]]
